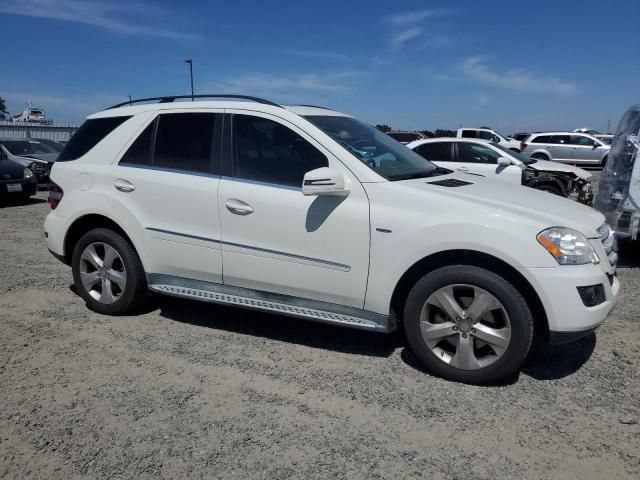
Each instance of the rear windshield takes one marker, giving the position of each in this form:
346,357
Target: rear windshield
88,136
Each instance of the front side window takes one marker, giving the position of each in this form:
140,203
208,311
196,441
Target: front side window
373,148
435,151
183,141
486,135
267,151
581,140
474,153
90,133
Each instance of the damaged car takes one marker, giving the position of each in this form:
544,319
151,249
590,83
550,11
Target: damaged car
492,160
30,153
619,193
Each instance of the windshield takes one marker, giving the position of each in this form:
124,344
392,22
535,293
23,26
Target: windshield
26,147
523,158
375,149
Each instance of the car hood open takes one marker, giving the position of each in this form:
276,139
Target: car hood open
547,166
548,209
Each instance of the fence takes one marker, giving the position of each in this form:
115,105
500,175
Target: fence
57,132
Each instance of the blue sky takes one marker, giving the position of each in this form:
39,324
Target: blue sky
411,64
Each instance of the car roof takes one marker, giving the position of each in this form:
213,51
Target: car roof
130,110
415,143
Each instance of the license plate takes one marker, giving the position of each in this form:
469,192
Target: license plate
14,187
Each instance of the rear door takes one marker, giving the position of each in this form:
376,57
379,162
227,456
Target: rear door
478,158
167,181
440,153
559,147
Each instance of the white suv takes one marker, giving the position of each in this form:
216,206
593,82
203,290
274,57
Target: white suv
308,212
490,135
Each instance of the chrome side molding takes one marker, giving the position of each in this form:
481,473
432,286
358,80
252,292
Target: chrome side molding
323,312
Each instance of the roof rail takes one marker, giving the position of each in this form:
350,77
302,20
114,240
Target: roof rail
311,106
169,99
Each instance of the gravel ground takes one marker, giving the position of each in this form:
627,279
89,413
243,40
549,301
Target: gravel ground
188,390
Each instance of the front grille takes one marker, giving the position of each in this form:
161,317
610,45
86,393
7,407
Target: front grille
609,243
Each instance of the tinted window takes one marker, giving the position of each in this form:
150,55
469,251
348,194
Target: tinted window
183,141
559,139
581,140
486,135
26,147
474,153
88,135
469,134
404,137
139,152
541,139
269,152
436,151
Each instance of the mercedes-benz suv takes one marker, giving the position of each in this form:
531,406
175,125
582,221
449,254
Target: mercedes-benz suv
308,212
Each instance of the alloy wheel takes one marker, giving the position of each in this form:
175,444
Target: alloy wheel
102,272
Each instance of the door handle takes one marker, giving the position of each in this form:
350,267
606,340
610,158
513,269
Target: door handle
238,207
463,169
124,186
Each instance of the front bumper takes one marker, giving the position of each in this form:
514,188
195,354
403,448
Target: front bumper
567,316
28,187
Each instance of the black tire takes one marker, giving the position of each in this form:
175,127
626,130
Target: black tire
549,189
135,291
540,156
515,305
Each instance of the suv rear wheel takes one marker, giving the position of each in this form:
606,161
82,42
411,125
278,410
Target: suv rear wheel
468,324
107,272
540,156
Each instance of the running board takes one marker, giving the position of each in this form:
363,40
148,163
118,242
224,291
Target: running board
269,302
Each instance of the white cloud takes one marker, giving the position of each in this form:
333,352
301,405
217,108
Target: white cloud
408,18
291,86
134,18
478,69
400,38
317,54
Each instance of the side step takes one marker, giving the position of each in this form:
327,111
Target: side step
269,302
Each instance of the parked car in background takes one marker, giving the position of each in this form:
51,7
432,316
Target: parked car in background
566,147
32,154
16,181
520,136
495,161
488,134
619,193
323,217
57,146
405,137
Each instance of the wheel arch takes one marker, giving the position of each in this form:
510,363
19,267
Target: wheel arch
88,222
477,259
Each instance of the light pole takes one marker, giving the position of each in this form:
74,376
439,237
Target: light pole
190,62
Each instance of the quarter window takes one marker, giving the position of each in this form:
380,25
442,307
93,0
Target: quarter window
267,151
474,153
139,153
435,151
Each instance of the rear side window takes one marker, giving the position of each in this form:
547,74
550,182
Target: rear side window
436,151
469,134
560,139
183,141
90,133
541,139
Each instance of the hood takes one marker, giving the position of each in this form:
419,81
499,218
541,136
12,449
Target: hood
547,166
10,170
47,157
547,209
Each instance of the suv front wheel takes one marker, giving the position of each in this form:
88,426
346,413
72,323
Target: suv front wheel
107,272
468,324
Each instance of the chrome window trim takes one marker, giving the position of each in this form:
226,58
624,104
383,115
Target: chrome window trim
170,170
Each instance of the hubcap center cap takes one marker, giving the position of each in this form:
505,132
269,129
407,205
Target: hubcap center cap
464,326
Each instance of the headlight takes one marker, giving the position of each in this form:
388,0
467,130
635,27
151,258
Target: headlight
567,246
27,173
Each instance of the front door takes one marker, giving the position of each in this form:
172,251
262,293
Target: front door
481,159
274,239
584,150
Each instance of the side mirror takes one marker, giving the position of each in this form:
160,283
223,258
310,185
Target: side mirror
324,181
596,144
504,161
496,139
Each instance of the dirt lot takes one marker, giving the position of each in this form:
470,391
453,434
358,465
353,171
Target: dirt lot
188,390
